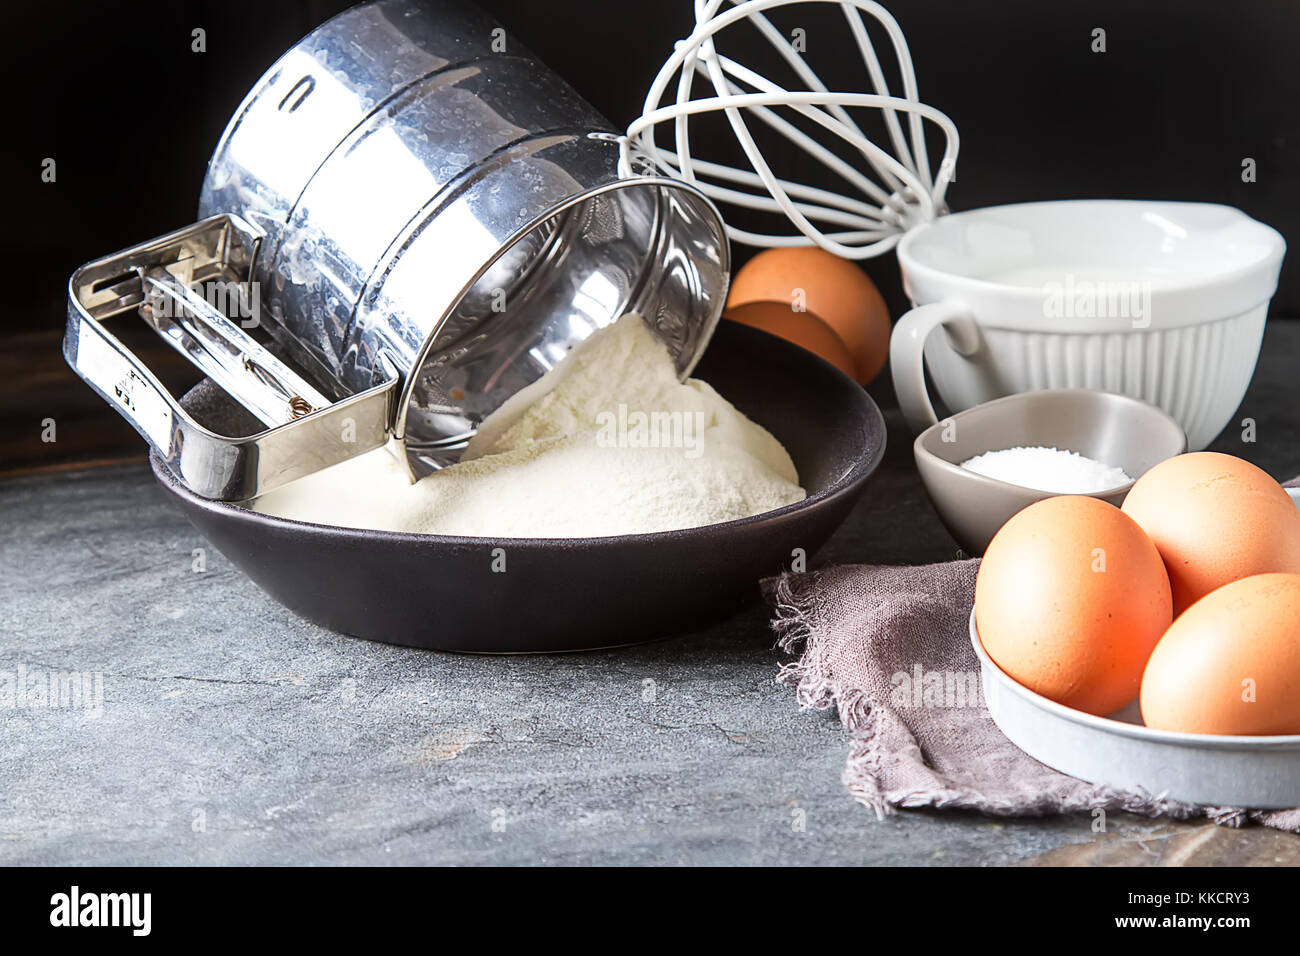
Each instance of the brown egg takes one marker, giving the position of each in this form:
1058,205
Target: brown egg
1069,601
1215,519
801,328
834,290
1230,664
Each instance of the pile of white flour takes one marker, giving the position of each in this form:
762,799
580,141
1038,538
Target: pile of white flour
608,442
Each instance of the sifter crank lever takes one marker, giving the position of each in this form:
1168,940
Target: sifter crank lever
305,432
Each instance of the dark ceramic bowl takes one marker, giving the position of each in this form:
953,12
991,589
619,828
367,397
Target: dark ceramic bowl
564,594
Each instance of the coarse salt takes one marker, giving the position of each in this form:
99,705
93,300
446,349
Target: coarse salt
1048,469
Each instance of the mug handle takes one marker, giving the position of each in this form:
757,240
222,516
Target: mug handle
907,354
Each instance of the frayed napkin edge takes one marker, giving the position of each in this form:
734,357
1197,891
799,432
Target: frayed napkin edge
791,596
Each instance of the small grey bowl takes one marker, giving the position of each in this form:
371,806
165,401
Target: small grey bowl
1114,429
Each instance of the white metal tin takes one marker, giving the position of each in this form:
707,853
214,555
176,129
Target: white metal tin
1223,771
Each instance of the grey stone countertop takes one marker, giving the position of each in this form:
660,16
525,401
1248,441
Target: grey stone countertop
233,732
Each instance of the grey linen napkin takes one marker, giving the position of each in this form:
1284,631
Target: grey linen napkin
889,648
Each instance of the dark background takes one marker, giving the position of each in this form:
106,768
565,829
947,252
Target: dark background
1185,91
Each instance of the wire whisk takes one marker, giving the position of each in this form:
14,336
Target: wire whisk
903,192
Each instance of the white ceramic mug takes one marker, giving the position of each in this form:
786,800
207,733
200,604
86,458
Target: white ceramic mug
1161,301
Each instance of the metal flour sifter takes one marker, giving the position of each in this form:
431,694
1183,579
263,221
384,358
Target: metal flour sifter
427,224
424,219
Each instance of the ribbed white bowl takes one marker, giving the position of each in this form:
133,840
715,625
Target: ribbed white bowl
1196,373
1001,283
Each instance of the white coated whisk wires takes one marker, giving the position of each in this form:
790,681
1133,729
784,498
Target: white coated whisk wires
904,191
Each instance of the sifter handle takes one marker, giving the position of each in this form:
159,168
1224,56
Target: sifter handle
305,430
